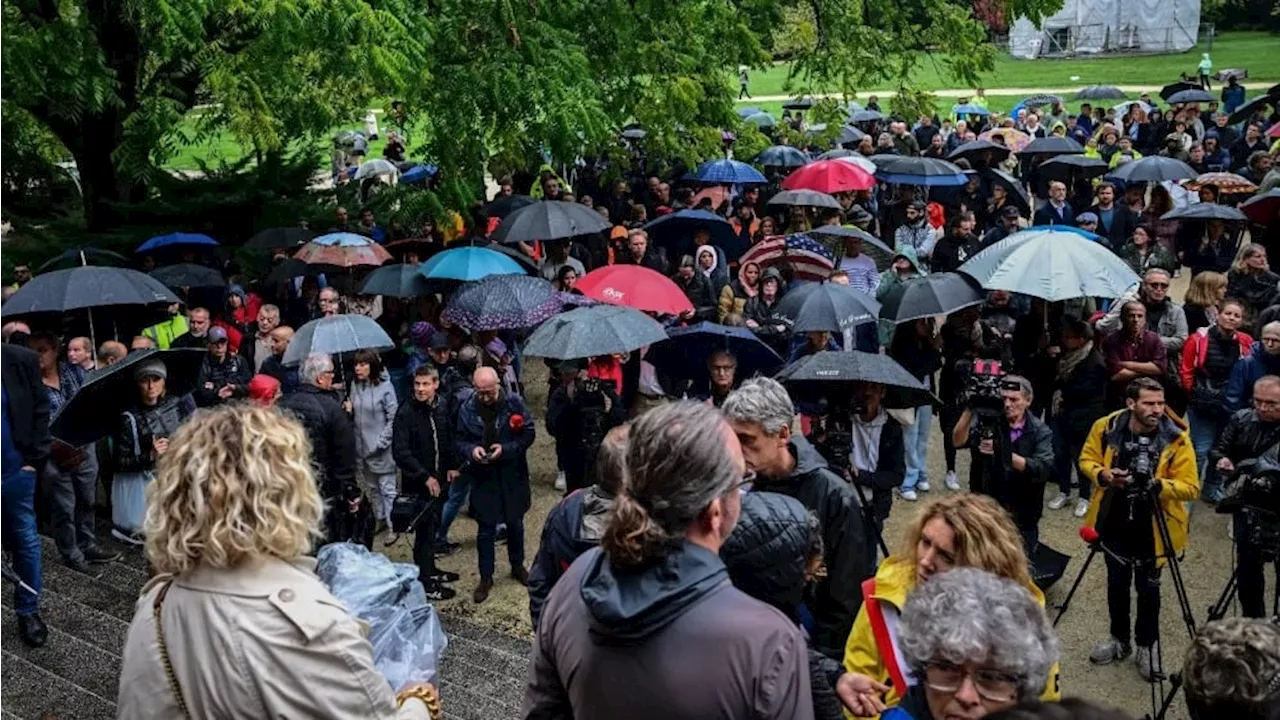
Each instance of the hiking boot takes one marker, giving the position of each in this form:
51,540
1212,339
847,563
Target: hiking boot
441,577
521,575
80,565
482,590
1109,651
1148,665
1058,501
437,592
97,554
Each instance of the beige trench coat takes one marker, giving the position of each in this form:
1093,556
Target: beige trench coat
262,641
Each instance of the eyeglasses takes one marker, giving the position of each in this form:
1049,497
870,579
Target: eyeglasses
993,686
722,369
1158,285
744,483
1270,341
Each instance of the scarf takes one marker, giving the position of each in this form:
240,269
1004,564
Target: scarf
1067,365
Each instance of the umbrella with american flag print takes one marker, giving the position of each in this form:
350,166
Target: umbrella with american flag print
808,258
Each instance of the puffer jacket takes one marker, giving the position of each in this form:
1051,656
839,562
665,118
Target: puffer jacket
332,436
766,556
895,579
1246,372
1196,351
733,299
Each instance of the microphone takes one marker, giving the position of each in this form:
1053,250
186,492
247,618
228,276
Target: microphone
1089,535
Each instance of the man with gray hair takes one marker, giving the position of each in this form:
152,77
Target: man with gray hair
1012,457
333,441
1165,317
653,608
760,413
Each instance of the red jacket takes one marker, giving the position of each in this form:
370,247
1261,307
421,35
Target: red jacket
1195,350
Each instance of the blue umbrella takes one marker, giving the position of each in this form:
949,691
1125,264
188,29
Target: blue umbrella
781,156
468,264
727,172
594,331
683,355
1054,264
676,230
177,239
503,302
419,173
970,109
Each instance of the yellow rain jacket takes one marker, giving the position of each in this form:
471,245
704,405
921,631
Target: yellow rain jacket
894,580
1176,472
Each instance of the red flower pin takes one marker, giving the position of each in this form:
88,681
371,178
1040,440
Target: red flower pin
517,423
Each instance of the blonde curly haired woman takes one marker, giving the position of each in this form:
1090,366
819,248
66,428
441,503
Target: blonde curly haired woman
960,530
237,624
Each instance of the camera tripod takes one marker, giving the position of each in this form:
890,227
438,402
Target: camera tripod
1160,701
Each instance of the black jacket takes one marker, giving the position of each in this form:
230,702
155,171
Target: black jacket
288,376
140,426
573,526
700,293
835,599
766,556
28,404
1021,493
1244,437
1257,290
234,370
569,420
654,258
422,442
1049,215
950,252
1123,222
332,436
1083,394
187,340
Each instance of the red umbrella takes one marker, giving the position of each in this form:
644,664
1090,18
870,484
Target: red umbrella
634,286
1274,131
829,176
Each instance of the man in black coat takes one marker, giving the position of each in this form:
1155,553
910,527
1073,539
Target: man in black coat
639,252
1012,458
24,452
422,444
579,414
1056,210
1116,222
333,448
761,413
224,375
576,523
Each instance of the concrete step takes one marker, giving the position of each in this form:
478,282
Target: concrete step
33,693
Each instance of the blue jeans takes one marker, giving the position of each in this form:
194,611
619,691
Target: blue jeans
1204,430
485,546
18,527
452,506
916,441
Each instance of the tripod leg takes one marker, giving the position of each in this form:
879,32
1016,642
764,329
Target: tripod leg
1219,609
1062,609
869,516
1175,569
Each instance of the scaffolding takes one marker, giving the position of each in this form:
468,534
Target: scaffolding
1090,27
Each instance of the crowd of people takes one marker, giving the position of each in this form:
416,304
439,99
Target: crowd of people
711,553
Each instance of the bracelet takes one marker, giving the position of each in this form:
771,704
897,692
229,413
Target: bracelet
426,692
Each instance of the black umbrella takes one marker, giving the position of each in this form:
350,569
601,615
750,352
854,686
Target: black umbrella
781,156
399,280
1205,211
1016,192
906,170
81,256
1246,111
1041,99
189,275
849,134
1190,95
1100,92
800,103
858,116
1154,168
549,220
976,148
817,377
1173,88
594,331
92,412
683,355
1065,167
291,268
504,206
279,238
804,198
930,295
1053,146
87,287
832,307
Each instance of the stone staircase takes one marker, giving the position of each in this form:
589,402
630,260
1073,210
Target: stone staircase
75,675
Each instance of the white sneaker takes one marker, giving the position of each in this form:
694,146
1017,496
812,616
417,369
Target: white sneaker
1148,664
560,483
951,481
923,486
1082,508
1058,501
909,495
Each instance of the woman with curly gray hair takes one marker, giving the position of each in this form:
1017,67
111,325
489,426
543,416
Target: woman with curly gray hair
1232,670
976,644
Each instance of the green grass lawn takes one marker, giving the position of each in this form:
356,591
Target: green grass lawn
1255,51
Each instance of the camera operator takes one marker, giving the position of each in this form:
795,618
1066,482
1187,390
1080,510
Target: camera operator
1012,456
579,414
1248,435
875,452
1138,457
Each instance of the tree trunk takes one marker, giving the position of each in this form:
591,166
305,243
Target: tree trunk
102,184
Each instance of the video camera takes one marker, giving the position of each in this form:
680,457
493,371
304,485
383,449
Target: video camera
984,383
1144,456
835,430
1254,495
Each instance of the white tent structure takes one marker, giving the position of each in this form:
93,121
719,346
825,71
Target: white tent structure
1085,27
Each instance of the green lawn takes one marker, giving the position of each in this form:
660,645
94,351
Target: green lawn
1255,51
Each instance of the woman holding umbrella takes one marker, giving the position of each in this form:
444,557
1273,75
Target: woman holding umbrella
142,437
